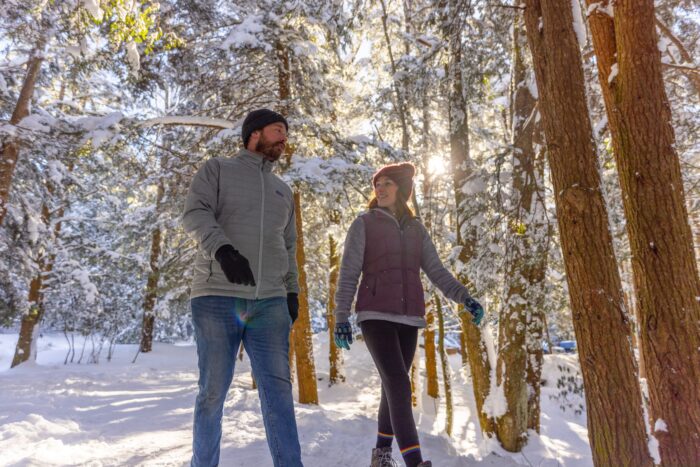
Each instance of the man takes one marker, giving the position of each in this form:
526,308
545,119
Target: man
245,285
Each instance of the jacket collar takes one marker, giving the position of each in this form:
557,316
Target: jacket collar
255,160
384,212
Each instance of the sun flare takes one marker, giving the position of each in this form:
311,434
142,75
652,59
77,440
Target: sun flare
437,165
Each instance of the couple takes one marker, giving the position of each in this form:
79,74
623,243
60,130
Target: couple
245,288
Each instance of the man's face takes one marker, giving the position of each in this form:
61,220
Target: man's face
272,141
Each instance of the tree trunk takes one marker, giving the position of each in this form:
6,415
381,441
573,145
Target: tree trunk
613,398
415,385
430,362
10,149
26,344
517,316
335,356
537,332
466,235
303,345
149,302
446,374
25,347
401,104
663,259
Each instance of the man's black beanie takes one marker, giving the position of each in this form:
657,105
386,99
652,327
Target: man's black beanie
257,120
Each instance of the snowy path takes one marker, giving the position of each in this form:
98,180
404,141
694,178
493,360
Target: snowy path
118,413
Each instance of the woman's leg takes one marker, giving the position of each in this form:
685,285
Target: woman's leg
392,346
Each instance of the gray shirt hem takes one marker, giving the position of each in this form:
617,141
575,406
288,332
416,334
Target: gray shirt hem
415,321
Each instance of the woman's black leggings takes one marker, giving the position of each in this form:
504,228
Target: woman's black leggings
392,346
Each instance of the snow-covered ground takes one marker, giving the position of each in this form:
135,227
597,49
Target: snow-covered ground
119,413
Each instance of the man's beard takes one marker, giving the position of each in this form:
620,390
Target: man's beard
271,151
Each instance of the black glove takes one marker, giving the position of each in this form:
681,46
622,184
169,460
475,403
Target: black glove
293,305
234,265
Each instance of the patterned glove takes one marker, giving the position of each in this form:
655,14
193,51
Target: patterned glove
343,335
475,309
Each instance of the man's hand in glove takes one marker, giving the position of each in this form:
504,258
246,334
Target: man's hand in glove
234,265
293,305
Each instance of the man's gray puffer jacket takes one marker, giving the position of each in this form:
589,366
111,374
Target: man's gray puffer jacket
238,201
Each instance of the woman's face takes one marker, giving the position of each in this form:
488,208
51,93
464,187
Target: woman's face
385,191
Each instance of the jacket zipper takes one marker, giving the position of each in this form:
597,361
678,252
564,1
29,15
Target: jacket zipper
262,220
403,272
403,265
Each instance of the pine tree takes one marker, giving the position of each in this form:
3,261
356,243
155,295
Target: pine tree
615,424
664,265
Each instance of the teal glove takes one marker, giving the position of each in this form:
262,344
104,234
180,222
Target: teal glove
343,335
475,309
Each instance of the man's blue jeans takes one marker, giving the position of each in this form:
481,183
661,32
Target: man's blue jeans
220,325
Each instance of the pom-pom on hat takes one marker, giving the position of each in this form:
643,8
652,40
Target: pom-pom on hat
259,119
401,174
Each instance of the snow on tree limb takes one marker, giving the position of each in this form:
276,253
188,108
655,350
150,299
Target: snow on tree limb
192,121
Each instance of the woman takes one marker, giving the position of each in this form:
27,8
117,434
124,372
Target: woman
389,246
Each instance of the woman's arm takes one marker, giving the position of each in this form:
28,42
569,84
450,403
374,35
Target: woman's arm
437,273
350,269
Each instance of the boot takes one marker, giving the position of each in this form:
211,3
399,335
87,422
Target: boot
381,457
425,464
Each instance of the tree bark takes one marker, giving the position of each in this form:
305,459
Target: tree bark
414,373
430,362
613,399
149,302
25,348
446,374
10,149
462,169
519,314
303,345
663,258
335,356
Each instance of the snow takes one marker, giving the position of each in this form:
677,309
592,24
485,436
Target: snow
88,287
653,445
579,27
660,425
663,44
532,86
35,122
246,34
614,70
600,126
652,442
474,186
501,101
186,120
598,7
101,122
119,413
93,7
132,56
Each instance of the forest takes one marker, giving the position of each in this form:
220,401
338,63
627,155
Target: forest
558,173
